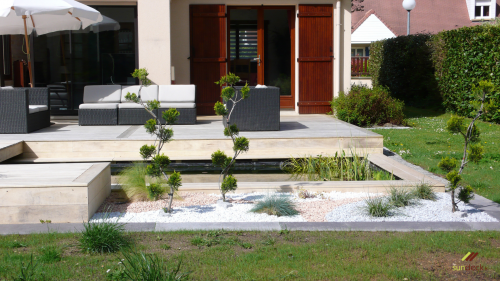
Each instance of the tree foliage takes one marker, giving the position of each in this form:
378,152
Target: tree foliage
227,182
157,168
473,150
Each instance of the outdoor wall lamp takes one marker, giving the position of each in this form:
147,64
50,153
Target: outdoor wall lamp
409,5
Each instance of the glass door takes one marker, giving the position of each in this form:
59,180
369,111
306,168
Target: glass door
260,49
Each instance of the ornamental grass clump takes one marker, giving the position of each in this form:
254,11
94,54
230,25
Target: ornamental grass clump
401,196
276,205
146,267
424,191
103,237
133,182
378,207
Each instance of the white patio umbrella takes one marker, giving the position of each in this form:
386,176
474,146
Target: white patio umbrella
44,16
107,24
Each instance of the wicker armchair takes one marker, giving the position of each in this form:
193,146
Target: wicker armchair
24,110
259,112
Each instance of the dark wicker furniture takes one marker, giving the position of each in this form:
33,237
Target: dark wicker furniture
180,97
259,112
107,105
100,105
187,116
15,116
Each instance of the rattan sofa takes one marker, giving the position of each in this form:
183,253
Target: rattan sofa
100,105
260,111
130,113
107,105
181,97
24,110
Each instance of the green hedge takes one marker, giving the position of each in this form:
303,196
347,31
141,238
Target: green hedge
462,58
428,70
404,65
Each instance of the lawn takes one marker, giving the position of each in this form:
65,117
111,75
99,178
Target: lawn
285,255
428,141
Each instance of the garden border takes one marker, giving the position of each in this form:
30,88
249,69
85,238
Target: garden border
481,203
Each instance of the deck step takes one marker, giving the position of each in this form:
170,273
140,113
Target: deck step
9,149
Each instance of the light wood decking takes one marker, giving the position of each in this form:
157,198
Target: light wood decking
299,136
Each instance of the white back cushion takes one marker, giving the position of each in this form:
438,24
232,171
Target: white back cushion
102,94
147,93
176,93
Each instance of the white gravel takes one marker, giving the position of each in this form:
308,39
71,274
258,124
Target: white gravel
332,206
423,211
239,212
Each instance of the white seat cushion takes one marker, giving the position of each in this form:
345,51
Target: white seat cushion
33,109
147,93
176,93
178,105
37,108
102,94
130,105
7,88
98,106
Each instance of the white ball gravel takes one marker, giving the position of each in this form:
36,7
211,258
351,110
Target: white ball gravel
326,206
205,213
422,211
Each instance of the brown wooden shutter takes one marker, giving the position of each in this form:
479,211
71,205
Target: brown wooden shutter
208,53
315,58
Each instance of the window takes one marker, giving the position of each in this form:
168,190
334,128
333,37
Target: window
482,10
101,54
357,52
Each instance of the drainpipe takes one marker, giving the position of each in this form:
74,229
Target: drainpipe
336,44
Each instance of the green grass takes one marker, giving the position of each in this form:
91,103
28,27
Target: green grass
103,237
428,142
294,255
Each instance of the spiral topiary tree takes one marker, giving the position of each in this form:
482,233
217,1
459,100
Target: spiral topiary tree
228,182
473,150
152,153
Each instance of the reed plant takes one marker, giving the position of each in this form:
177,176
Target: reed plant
329,168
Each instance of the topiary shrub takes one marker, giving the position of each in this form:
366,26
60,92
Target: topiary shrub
364,106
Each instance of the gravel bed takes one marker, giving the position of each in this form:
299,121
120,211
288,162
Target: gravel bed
200,207
423,211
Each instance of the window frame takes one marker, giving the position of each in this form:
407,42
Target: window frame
482,4
355,51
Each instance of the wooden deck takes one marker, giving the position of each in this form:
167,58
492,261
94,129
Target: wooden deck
60,193
300,135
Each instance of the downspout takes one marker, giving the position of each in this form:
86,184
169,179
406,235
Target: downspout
336,45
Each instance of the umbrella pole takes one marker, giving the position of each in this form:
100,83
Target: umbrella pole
28,49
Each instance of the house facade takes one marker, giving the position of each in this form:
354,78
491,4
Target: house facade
301,46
